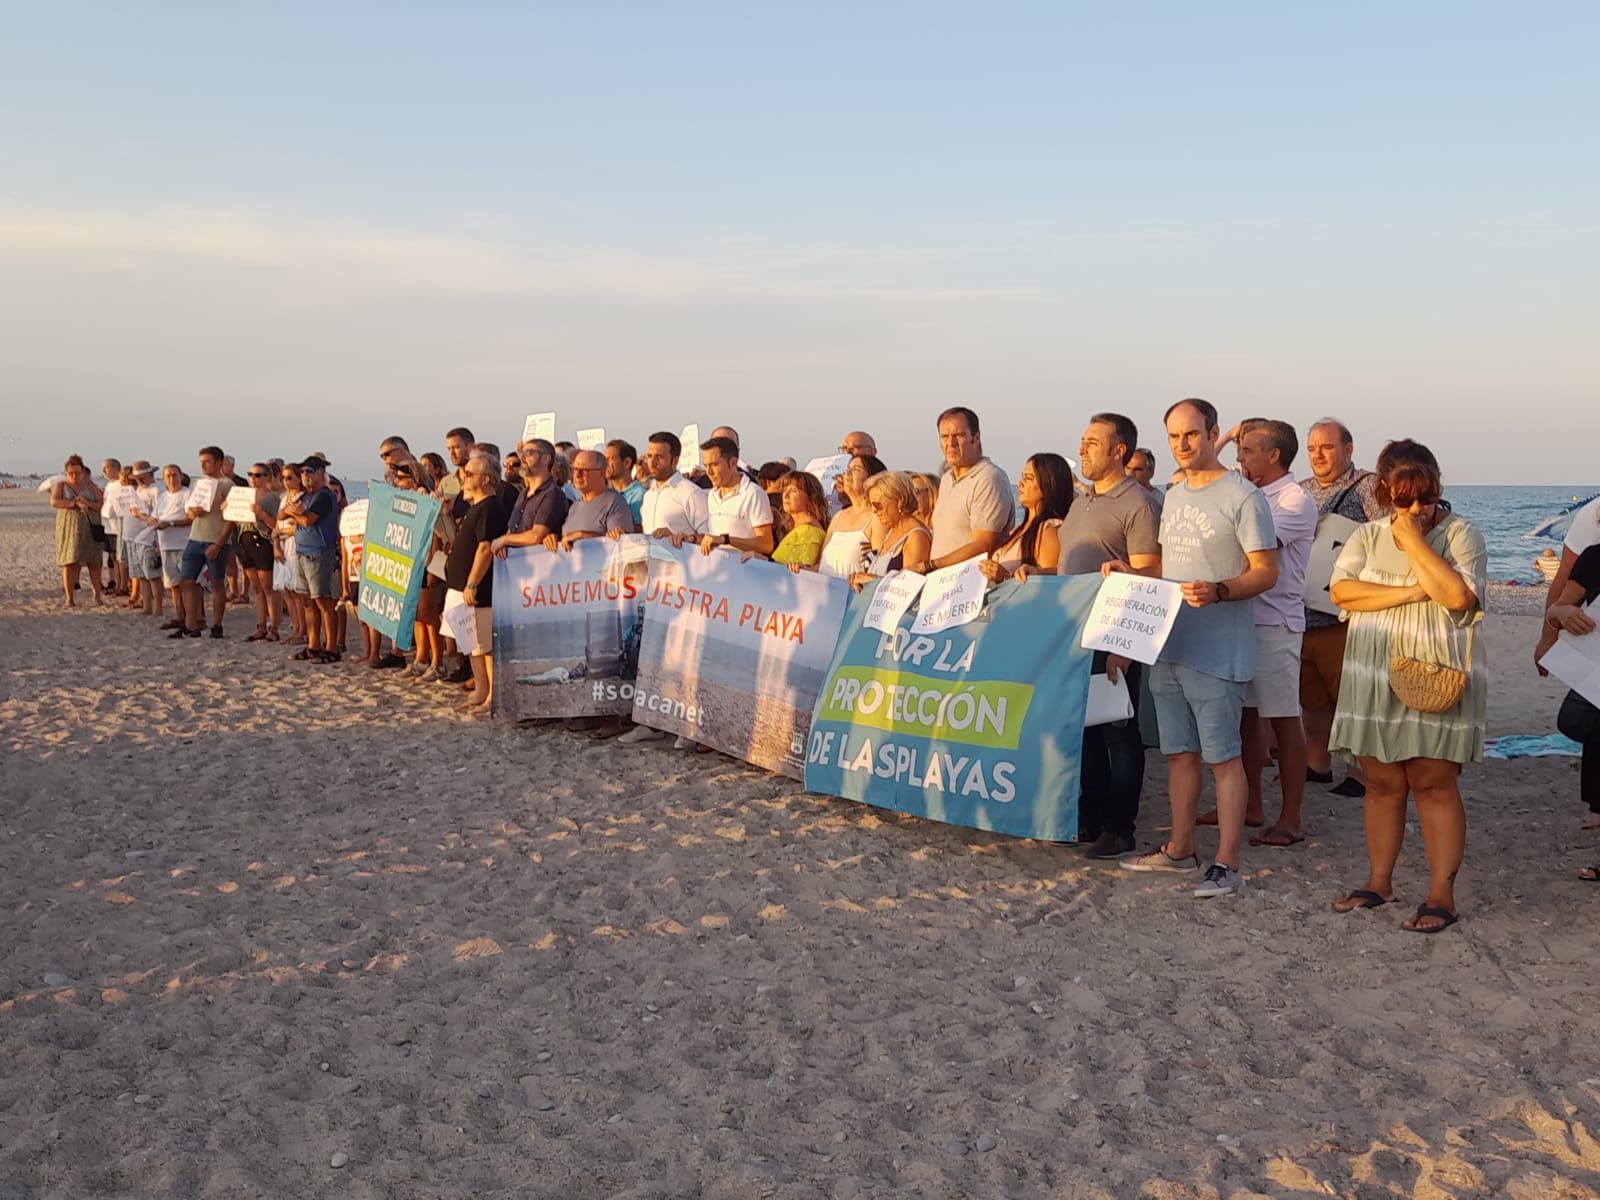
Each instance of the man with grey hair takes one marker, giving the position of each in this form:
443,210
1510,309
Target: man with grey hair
1336,485
599,511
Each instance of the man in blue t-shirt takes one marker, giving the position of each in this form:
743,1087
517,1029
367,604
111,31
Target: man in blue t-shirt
316,544
1219,542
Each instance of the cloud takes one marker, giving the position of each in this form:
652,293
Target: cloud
736,268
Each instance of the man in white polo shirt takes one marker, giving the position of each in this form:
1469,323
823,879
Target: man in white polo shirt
673,508
740,515
976,507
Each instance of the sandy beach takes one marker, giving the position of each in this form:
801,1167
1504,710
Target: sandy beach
258,917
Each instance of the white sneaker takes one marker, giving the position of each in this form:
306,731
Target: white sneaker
1159,860
1219,881
639,735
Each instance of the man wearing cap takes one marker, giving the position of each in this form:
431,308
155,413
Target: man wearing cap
315,513
144,559
208,549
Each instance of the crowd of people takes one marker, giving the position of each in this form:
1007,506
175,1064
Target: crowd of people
1393,683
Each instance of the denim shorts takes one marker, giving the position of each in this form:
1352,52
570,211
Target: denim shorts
172,567
1196,712
195,560
318,574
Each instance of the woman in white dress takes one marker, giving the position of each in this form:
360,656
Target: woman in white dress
851,534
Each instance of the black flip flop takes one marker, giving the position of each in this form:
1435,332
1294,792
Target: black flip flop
1368,900
1427,910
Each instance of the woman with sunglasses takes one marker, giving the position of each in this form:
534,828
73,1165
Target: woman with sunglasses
851,533
1412,586
891,497
284,552
256,557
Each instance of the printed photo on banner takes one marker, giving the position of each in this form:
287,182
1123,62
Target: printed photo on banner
567,628
971,724
1133,616
734,653
397,534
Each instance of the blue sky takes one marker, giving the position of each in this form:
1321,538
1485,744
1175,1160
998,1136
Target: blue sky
304,226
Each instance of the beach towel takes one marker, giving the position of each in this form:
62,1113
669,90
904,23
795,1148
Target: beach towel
1531,745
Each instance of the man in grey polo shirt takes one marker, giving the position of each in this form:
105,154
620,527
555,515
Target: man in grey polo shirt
976,507
1113,524
598,509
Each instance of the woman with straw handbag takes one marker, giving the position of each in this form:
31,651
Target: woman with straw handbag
1413,698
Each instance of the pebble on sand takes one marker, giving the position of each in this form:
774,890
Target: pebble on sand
338,1160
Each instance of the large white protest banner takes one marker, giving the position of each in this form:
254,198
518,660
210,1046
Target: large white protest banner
1132,616
734,652
566,628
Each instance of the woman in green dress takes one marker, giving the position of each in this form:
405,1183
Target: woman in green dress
1411,585
74,498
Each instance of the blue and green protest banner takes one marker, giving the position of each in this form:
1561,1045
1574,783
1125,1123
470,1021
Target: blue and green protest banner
394,559
979,724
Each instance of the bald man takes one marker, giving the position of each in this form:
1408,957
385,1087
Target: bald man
857,442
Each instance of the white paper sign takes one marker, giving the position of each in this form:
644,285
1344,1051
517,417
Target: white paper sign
892,598
951,596
1333,531
1132,616
239,506
353,520
458,622
203,495
828,468
436,564
539,425
1575,659
591,439
1108,701
690,437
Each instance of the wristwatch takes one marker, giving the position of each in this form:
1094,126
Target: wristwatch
1222,590
726,540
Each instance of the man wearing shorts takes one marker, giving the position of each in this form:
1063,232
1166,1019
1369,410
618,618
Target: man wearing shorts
315,513
1217,540
1266,453
144,558
208,549
1336,485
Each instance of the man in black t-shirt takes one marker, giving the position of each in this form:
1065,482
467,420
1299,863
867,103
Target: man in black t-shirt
469,569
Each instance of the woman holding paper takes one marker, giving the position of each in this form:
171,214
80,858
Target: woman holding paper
74,498
256,554
1411,587
891,496
1045,489
1567,615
